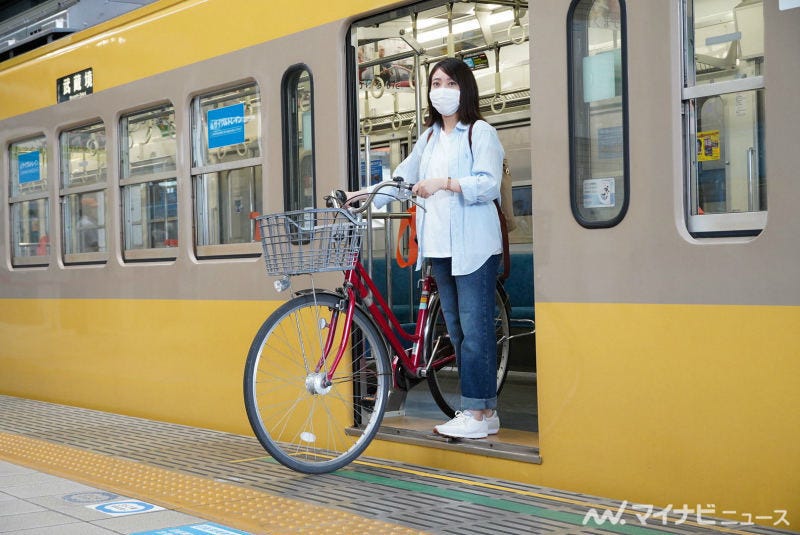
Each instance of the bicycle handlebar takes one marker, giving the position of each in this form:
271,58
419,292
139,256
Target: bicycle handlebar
338,198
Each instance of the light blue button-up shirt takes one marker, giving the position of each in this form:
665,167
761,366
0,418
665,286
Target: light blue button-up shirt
474,224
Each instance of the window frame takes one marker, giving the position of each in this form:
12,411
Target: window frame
574,194
18,195
289,118
718,225
66,190
144,254
200,168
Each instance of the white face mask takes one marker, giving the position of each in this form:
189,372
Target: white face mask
445,100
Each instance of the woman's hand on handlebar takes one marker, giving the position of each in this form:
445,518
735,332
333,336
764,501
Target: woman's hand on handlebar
429,186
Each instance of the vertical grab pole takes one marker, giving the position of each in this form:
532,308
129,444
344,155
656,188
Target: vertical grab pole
752,186
451,49
368,178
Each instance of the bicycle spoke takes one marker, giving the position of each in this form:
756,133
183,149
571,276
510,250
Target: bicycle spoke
299,416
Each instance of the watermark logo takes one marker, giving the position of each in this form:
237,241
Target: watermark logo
648,514
612,517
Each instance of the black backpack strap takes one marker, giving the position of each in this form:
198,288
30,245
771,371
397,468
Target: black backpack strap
504,233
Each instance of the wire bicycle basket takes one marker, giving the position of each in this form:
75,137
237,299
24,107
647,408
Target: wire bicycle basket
310,241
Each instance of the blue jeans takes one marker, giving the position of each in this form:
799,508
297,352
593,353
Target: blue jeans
468,306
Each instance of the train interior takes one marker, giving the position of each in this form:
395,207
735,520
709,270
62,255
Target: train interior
393,51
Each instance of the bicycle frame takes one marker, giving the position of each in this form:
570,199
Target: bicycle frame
359,286
300,347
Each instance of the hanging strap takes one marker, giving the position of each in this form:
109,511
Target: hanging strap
408,224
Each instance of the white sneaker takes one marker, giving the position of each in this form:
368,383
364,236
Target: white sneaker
464,426
494,423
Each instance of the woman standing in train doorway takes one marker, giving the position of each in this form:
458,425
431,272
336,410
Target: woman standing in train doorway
456,168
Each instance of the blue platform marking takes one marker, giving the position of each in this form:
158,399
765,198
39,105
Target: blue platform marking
207,528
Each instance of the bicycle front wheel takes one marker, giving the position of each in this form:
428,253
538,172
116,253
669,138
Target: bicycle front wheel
305,422
443,377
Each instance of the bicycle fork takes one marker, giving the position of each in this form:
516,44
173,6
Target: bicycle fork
321,380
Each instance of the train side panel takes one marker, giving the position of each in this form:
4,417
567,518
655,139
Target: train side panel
192,31
667,364
164,340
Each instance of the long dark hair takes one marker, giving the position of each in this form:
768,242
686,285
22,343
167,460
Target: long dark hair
468,109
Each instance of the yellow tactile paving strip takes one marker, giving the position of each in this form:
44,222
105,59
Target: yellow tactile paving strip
237,507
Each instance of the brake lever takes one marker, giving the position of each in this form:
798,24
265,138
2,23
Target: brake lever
335,199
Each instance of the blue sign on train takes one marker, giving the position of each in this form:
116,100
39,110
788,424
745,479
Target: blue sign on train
207,528
28,166
226,126
375,171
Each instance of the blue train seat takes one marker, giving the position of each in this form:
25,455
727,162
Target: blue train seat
519,287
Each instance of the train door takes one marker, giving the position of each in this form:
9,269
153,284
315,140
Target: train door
392,55
725,120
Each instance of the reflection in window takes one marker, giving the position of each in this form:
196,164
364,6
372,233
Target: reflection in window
226,168
83,181
149,185
598,112
151,215
29,220
298,141
723,100
30,207
227,204
522,198
84,222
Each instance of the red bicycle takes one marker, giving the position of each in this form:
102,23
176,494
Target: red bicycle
318,373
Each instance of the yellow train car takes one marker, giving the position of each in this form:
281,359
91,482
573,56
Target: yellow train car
653,147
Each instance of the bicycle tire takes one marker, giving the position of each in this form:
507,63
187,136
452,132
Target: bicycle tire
443,379
304,424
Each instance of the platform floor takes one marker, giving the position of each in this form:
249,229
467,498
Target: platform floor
66,470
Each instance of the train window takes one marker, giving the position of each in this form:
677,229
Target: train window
226,170
83,198
30,207
298,139
598,112
149,184
723,100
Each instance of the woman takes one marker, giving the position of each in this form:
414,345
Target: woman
456,168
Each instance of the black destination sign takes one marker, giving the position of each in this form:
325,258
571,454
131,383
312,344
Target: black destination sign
76,85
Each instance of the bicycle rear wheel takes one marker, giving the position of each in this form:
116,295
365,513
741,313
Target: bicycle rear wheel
303,422
443,378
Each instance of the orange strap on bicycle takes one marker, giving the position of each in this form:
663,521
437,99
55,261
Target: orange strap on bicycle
409,224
